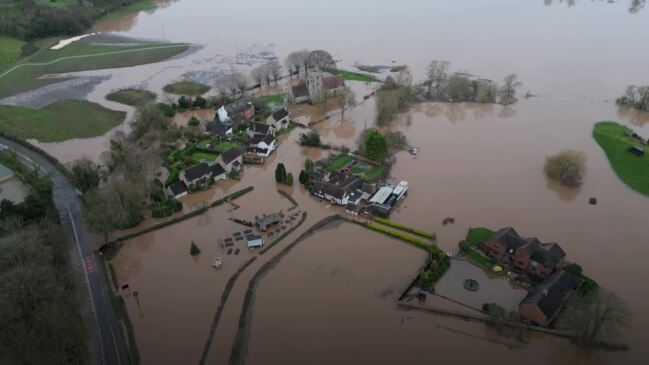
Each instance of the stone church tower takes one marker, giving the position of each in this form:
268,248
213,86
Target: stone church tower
316,94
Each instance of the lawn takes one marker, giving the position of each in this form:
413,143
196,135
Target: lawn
86,57
59,121
9,50
373,173
131,8
352,76
189,88
133,97
272,100
479,258
631,169
339,163
199,156
478,235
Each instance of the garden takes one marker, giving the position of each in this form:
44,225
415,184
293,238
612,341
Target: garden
365,171
477,236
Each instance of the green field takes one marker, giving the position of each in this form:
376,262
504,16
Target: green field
478,235
80,56
631,169
272,101
9,50
133,97
352,76
189,88
339,163
59,121
132,8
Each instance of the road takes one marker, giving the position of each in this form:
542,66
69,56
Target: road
112,349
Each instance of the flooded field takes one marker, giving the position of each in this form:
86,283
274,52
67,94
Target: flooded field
331,299
13,189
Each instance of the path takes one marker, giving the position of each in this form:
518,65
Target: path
86,56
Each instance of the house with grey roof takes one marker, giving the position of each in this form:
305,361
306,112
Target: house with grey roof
544,301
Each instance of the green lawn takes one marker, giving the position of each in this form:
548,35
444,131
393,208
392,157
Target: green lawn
133,97
199,156
373,173
132,8
339,163
631,169
59,121
479,258
478,235
272,100
189,88
224,146
352,76
27,77
9,50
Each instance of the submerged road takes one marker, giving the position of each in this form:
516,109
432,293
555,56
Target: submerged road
111,345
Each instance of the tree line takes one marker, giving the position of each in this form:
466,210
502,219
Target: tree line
636,97
29,19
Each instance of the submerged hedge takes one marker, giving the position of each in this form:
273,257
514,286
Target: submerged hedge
418,232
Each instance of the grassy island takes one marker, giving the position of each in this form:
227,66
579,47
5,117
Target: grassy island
132,96
59,121
189,88
632,169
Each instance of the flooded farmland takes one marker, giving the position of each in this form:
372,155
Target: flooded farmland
332,298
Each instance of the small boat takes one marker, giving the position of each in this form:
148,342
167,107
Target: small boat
217,262
413,150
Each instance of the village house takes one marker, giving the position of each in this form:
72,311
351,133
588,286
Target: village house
243,109
231,160
544,301
196,175
218,172
524,255
279,120
262,146
176,190
222,131
254,241
256,128
300,93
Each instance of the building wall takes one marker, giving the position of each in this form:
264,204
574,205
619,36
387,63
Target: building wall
533,313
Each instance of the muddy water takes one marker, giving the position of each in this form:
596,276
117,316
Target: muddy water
481,164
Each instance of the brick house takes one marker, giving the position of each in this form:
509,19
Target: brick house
524,254
544,301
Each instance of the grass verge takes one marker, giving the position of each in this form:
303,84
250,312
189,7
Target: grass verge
132,96
10,49
189,88
631,169
59,121
418,232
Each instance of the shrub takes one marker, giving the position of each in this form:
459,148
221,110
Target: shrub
166,208
312,138
304,177
194,250
289,179
194,122
280,173
566,167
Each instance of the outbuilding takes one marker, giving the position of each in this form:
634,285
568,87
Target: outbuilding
254,241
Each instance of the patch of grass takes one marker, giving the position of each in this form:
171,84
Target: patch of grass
224,146
132,96
85,57
352,76
631,169
10,49
339,163
189,88
479,258
131,8
199,156
405,228
373,173
478,235
59,121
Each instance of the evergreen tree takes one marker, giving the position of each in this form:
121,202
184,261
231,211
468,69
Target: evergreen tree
280,173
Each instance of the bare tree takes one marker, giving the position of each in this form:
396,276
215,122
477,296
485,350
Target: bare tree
437,76
508,90
275,70
320,60
485,91
257,74
302,58
293,63
345,98
597,318
240,81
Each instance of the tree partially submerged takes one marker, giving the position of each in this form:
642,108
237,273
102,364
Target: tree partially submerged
85,175
345,98
394,96
566,167
597,319
636,97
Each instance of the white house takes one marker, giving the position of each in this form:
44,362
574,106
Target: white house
223,114
231,159
218,172
195,174
279,119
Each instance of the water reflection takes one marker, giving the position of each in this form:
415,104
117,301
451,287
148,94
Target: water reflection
635,117
457,112
564,193
634,5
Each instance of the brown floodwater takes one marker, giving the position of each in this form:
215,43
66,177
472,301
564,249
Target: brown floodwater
481,164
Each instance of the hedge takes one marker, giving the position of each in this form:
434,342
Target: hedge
418,232
181,218
289,197
417,243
